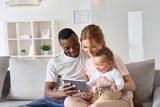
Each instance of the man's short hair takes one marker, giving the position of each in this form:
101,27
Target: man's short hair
66,33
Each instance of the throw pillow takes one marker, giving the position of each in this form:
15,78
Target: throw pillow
27,79
142,73
4,63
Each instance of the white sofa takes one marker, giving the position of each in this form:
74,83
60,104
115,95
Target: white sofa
25,81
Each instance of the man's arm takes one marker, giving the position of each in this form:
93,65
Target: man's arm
50,92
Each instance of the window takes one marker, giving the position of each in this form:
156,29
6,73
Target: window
135,36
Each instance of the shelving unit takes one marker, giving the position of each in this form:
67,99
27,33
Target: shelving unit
31,35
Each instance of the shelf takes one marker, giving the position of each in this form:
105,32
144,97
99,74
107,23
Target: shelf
30,35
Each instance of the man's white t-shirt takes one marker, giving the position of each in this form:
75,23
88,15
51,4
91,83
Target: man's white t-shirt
64,67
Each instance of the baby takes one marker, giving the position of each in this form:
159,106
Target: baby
103,61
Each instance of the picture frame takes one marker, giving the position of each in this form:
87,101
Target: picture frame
81,16
45,33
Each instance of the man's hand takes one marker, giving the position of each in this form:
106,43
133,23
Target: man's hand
69,89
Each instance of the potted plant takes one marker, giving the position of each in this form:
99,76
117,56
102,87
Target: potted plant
23,52
45,47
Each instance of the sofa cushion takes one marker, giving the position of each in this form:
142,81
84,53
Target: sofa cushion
142,73
27,79
4,63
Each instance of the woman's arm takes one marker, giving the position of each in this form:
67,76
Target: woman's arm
129,83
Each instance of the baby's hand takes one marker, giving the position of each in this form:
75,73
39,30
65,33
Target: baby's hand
114,87
102,81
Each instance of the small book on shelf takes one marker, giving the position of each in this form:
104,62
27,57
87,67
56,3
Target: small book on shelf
45,33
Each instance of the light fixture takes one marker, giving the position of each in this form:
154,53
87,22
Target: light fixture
22,2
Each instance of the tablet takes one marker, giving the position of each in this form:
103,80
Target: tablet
80,85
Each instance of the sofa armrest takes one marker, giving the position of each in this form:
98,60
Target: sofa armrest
156,97
157,79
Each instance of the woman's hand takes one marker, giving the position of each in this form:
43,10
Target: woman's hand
87,96
69,89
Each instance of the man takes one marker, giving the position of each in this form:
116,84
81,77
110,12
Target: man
68,64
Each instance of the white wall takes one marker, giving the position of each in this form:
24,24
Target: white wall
60,10
111,15
114,22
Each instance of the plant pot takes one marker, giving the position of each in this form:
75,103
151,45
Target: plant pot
23,53
45,53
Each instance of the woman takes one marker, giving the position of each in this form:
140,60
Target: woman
92,39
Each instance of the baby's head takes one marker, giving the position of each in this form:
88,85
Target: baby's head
103,60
